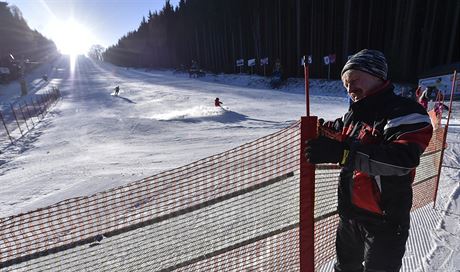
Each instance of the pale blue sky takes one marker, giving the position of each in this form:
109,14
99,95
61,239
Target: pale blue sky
105,20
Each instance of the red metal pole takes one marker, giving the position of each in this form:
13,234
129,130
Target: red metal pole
308,130
454,80
307,83
444,138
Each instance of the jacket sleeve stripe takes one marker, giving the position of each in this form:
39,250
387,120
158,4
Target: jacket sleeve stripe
412,118
373,167
420,136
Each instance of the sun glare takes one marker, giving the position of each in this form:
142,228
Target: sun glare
71,38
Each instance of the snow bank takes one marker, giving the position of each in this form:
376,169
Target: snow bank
192,113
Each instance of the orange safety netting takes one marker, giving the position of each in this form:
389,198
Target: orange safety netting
234,211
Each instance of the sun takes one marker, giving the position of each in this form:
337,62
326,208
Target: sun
70,37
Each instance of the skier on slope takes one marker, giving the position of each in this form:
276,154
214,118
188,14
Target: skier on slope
117,90
378,144
217,102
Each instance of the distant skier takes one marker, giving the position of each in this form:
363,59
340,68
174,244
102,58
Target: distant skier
217,102
117,90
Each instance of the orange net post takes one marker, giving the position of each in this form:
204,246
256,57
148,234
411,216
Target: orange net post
308,127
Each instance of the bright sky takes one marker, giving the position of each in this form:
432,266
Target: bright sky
75,25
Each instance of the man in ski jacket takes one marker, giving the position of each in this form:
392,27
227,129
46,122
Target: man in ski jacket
378,144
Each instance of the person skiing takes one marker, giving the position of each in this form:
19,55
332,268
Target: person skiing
217,102
378,144
117,90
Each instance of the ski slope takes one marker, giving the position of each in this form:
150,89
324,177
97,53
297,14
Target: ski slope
92,140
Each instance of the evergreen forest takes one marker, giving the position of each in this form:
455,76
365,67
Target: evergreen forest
415,35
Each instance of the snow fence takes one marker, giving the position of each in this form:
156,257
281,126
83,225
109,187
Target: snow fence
17,119
234,211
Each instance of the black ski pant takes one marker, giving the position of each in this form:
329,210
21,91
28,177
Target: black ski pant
369,247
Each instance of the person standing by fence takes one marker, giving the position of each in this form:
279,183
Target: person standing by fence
378,145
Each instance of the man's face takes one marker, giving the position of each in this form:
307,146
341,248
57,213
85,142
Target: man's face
360,84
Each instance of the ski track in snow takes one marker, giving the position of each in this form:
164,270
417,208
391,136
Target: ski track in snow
445,252
92,140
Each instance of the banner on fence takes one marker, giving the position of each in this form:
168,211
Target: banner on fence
442,83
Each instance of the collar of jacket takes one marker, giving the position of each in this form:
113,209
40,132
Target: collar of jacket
375,101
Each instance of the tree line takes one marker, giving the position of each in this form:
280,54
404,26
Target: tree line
415,35
18,42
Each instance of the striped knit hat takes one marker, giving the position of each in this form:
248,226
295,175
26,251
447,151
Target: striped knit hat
370,61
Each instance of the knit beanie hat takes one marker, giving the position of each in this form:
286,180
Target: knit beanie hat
370,61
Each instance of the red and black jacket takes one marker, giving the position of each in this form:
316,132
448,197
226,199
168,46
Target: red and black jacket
386,134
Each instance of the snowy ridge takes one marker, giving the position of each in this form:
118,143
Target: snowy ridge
195,112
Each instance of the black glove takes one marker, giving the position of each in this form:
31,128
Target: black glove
322,150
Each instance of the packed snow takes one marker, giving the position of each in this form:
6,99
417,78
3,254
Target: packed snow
93,140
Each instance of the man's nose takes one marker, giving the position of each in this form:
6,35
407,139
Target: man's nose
351,89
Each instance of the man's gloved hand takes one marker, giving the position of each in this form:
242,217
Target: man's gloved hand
323,150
